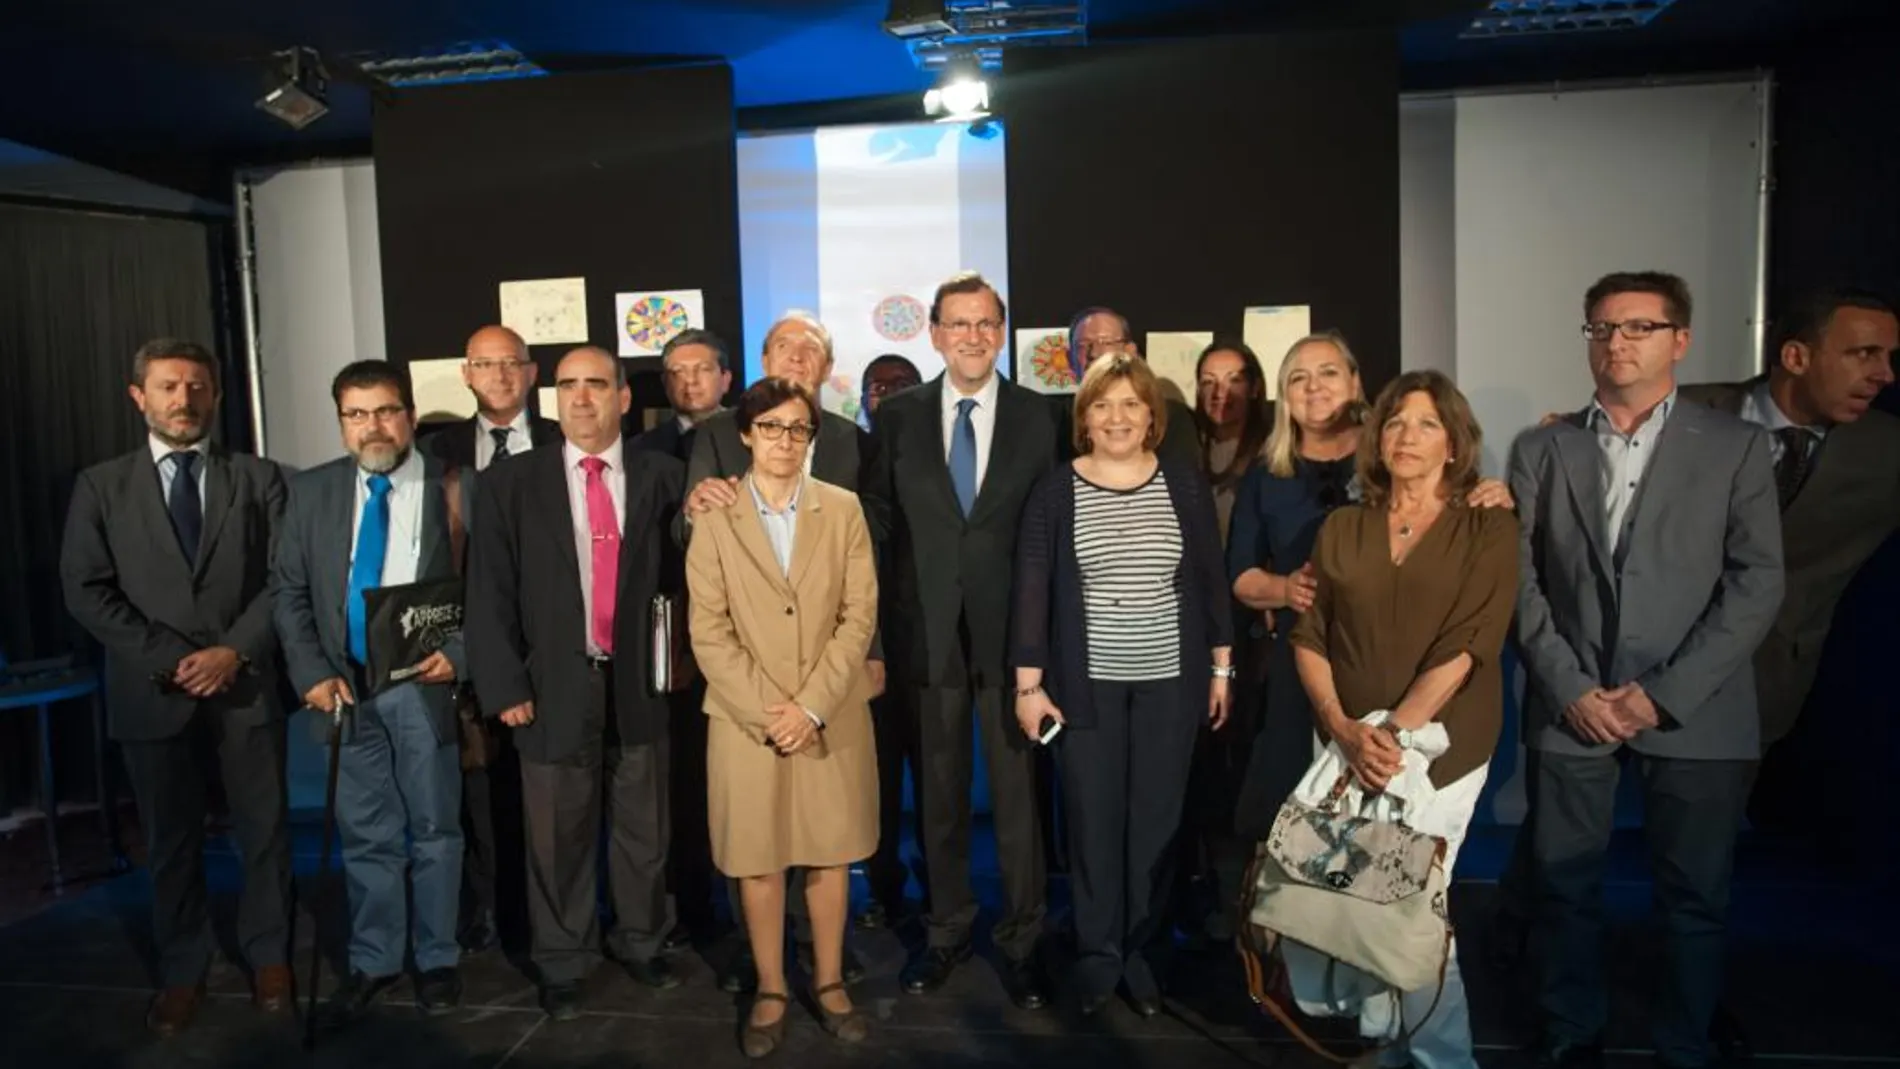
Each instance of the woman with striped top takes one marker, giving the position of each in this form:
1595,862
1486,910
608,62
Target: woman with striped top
1122,636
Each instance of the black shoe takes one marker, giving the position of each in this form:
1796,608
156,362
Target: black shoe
1092,1005
561,1001
873,918
653,972
1731,1041
853,969
1142,998
740,975
439,991
480,936
676,940
1028,989
1569,1056
353,998
927,971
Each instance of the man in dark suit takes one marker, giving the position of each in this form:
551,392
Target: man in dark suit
380,517
1651,572
798,347
166,562
500,374
698,373
570,547
956,458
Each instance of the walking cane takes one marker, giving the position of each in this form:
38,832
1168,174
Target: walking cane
323,870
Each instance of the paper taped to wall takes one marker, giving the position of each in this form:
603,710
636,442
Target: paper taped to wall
440,393
546,311
1172,354
646,321
1270,331
1042,359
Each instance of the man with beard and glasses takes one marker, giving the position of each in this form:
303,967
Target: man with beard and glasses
380,517
166,561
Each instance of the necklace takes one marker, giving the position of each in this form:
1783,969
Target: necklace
1405,530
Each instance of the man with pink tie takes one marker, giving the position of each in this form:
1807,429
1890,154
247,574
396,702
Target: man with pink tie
569,548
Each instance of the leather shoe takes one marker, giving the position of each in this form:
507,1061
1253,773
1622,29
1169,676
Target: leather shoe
927,971
439,991
1144,1005
653,972
740,974
853,969
353,998
1092,1005
272,988
1731,1041
479,937
677,939
561,1001
173,1009
1027,987
873,918
1564,1055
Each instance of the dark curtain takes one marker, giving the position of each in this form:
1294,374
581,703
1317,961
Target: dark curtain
79,292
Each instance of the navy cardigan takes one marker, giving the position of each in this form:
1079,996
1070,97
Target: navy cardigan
1049,629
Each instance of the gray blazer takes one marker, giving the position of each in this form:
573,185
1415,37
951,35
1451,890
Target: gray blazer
129,585
1849,505
1697,588
311,575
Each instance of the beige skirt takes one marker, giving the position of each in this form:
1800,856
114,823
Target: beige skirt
767,813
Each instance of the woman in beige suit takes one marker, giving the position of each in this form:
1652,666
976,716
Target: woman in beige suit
784,601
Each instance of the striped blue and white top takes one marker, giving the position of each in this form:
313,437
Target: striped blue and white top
1128,548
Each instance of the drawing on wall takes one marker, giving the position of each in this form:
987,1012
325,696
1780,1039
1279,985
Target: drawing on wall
647,321
1172,355
1042,360
1270,331
439,390
900,317
546,311
544,399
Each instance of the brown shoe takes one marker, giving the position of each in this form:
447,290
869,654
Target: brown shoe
271,989
172,1010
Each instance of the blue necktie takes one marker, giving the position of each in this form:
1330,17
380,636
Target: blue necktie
184,504
366,571
963,455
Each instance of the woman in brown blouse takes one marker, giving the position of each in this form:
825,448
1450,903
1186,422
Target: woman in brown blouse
1414,595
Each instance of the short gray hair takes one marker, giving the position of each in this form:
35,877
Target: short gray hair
799,315
696,336
171,349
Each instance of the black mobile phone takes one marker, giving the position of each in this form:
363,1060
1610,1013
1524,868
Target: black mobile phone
166,683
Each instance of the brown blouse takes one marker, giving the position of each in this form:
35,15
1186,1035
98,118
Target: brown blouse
1382,625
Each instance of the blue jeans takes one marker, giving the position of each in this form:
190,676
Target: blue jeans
398,807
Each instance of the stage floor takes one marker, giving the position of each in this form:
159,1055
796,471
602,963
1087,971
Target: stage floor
1814,973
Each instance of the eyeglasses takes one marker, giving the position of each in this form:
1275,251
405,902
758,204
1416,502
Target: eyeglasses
496,367
1633,329
357,417
774,430
965,326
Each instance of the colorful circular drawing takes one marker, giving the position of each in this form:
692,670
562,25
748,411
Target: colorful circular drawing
1049,362
899,318
653,321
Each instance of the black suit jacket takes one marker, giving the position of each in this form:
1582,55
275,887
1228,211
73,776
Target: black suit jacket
946,568
526,623
454,443
667,436
127,582
1848,506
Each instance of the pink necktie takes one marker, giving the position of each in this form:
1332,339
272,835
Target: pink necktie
606,531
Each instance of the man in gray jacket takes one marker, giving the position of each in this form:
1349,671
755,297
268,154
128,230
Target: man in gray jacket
1652,570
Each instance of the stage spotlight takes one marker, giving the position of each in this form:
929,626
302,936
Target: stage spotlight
294,91
961,99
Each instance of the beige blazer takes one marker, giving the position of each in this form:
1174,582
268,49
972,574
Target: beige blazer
762,637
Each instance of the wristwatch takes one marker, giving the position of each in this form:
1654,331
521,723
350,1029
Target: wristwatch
1403,736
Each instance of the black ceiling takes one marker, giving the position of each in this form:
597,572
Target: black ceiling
164,90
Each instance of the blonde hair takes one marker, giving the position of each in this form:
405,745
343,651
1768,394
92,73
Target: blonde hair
1283,444
1103,374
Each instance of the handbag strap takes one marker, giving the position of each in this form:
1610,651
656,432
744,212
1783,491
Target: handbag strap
452,500
1255,963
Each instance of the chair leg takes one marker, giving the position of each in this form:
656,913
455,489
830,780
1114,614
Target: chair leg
102,772
49,797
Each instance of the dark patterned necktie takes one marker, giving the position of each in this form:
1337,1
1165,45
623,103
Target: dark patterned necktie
1796,459
185,504
500,435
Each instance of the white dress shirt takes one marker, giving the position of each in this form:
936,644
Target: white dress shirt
615,476
403,556
519,439
1759,408
1625,460
168,468
982,419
